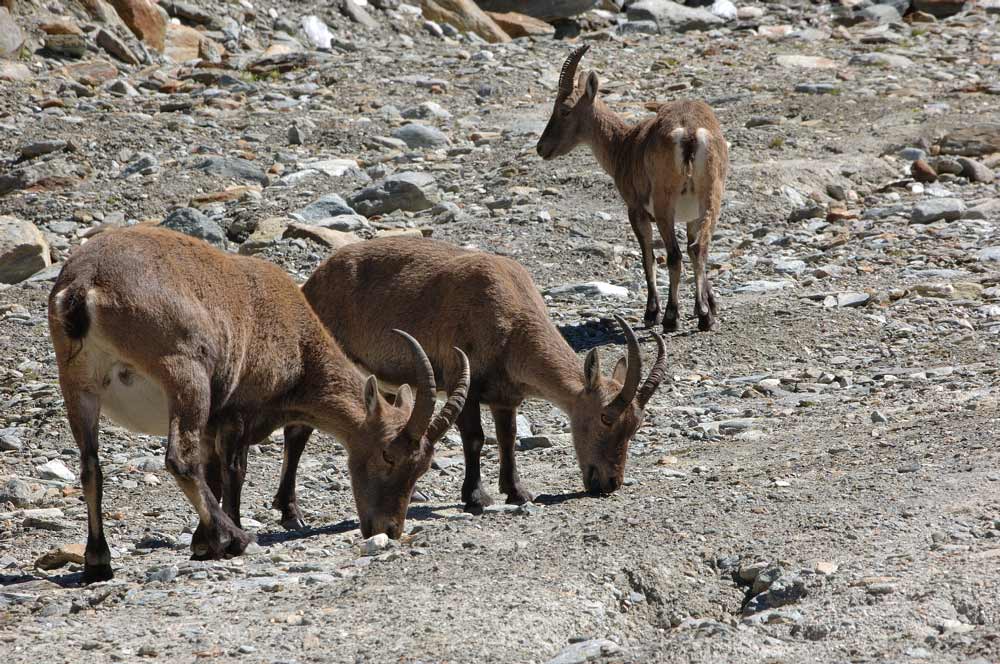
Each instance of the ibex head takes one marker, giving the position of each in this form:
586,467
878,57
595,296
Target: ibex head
573,109
403,434
608,412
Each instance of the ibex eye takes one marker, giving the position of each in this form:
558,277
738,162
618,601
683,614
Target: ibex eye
388,458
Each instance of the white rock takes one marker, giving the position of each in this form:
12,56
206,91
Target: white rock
724,9
591,288
375,544
316,31
55,470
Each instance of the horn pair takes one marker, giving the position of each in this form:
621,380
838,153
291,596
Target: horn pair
422,419
631,389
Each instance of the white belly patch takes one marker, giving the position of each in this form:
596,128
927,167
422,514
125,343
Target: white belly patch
133,401
685,209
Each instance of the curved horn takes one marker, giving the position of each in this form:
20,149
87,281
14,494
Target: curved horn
423,406
449,413
568,73
634,372
656,375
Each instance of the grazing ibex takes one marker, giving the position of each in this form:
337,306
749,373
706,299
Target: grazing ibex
169,336
489,306
669,168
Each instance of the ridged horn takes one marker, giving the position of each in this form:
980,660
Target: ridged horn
632,375
568,73
423,404
456,400
656,375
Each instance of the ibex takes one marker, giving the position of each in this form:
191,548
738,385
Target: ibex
169,336
489,306
669,168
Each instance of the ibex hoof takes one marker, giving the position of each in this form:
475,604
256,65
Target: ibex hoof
96,573
650,317
706,323
669,324
519,496
293,523
477,501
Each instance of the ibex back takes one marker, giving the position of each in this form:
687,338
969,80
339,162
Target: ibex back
489,306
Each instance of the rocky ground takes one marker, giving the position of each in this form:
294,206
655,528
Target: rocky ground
818,482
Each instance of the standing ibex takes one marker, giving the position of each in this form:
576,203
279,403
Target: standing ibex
169,336
489,306
669,168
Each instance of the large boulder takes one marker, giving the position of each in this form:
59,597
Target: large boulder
973,140
543,9
410,191
465,16
145,19
23,250
673,17
11,37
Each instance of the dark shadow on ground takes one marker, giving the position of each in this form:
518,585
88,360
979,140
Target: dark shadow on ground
592,334
557,499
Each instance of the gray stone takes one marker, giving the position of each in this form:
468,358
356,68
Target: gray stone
534,443
887,60
937,209
818,88
70,46
165,574
789,266
420,136
878,417
880,14
410,191
39,148
325,207
972,141
989,255
586,651
192,222
357,14
673,17
912,154
590,289
298,134
10,440
941,8
23,250
762,286
233,168
143,162
974,170
543,9
426,110
11,37
20,493
116,47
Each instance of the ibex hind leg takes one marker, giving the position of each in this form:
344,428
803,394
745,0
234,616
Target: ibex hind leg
643,230
84,410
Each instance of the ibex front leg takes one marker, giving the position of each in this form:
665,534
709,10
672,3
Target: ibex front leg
643,228
510,481
296,437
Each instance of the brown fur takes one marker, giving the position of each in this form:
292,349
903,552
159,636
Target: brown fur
642,160
237,352
489,306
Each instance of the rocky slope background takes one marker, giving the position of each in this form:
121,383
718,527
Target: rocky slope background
818,481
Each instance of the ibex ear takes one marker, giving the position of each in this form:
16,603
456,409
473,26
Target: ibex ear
404,398
592,86
592,369
620,369
371,396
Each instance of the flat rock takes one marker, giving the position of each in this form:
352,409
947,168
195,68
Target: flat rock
14,71
466,16
326,236
116,47
937,209
543,9
975,171
805,61
762,286
420,136
972,141
410,191
233,168
522,25
55,470
887,60
989,255
586,651
61,556
330,205
673,17
23,250
590,288
144,19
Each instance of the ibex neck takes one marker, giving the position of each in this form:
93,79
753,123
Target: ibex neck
551,369
607,133
330,397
